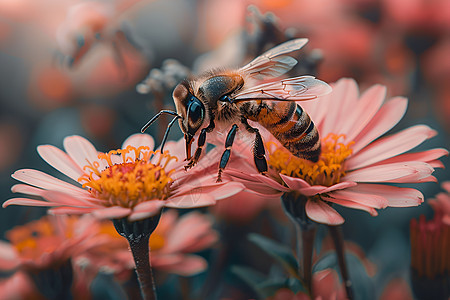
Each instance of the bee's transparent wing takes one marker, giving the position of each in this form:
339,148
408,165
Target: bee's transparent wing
273,63
291,89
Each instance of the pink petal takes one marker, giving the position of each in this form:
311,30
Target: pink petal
346,91
386,118
424,156
391,172
295,183
188,266
45,181
227,190
176,148
340,186
205,184
146,209
366,199
82,151
351,204
138,139
416,178
27,202
396,196
204,242
27,189
315,108
253,183
59,160
446,186
190,201
393,145
9,259
68,200
189,231
446,219
18,286
168,220
271,183
65,210
367,106
413,178
304,188
161,260
114,212
436,164
321,212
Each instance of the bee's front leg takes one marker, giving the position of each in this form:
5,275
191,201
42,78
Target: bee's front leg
201,143
226,154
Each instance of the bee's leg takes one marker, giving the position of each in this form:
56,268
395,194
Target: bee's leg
201,143
226,154
258,148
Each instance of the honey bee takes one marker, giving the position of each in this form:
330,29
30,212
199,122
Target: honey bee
233,97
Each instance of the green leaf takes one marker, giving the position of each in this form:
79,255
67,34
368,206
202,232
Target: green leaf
280,252
269,287
263,286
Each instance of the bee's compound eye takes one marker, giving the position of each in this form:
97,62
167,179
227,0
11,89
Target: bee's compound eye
195,111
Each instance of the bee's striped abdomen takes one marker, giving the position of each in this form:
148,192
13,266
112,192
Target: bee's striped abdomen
289,124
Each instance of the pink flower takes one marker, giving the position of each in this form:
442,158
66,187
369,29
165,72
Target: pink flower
132,182
354,162
47,242
172,244
441,204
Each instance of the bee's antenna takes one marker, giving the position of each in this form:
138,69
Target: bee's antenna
169,112
166,134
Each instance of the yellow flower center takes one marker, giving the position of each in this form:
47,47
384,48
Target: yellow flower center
34,239
327,171
132,181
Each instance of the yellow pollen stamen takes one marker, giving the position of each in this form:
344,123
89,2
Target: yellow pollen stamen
132,181
327,171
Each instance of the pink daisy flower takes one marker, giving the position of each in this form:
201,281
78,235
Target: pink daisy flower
47,242
172,246
355,162
133,182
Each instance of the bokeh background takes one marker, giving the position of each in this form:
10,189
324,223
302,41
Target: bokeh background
101,69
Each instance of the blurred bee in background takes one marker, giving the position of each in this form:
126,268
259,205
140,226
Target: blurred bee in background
88,24
233,97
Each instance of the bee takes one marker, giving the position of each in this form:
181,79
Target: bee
231,98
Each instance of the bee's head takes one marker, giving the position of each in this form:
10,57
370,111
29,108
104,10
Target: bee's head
192,112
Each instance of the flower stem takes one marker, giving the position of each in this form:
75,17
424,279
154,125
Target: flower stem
338,240
307,238
138,235
294,207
